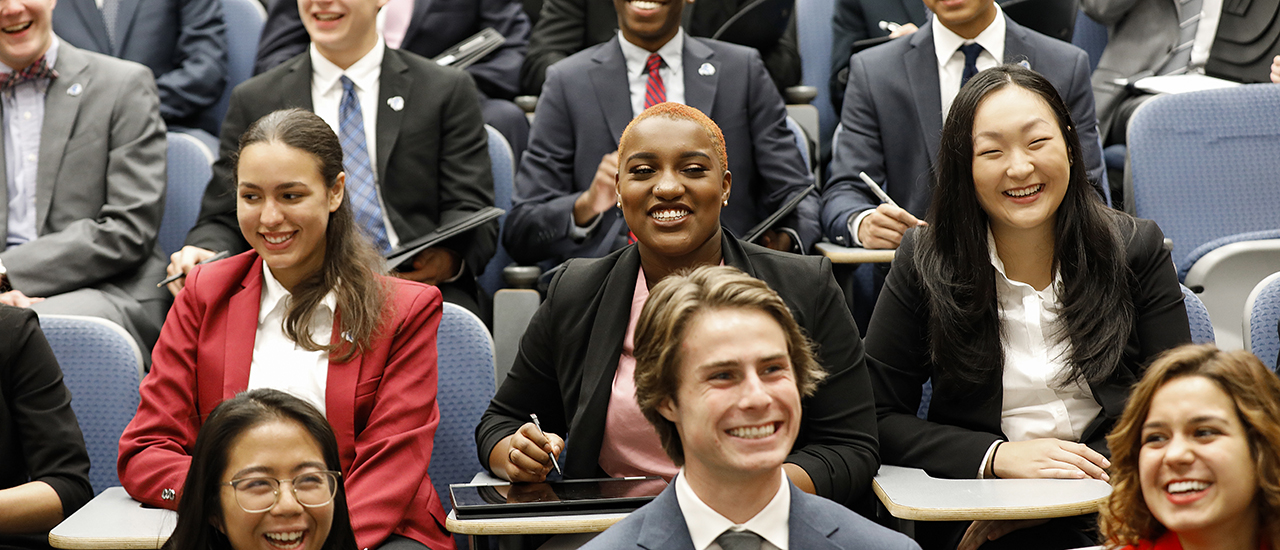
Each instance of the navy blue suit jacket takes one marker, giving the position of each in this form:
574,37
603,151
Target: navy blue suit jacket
815,524
585,106
855,20
437,25
892,119
183,42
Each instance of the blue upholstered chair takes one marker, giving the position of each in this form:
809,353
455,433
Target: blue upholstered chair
1262,316
813,30
101,366
1223,271
1198,316
1090,36
189,162
464,354
245,19
503,163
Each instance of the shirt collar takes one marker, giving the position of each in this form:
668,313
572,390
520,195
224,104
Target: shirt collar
50,55
363,73
636,56
945,42
705,524
276,297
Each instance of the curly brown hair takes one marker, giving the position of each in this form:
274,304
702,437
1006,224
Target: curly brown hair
672,307
1126,519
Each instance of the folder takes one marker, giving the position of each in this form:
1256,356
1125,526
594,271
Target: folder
408,251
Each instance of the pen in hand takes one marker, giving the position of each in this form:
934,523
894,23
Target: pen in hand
173,278
538,425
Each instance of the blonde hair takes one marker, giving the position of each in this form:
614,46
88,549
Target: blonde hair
677,111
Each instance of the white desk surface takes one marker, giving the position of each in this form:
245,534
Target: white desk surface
543,525
114,521
909,493
845,255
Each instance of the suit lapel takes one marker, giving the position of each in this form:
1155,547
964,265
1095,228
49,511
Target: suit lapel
124,23
61,108
609,78
922,80
88,12
241,331
295,85
699,88
395,82
1016,46
339,399
810,527
664,527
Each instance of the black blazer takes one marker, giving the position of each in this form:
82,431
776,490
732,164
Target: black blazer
963,423
433,157
570,351
40,439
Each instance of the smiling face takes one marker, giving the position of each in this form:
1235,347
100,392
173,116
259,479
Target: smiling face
342,30
1020,164
671,185
736,406
1195,467
283,208
26,31
649,23
967,18
279,449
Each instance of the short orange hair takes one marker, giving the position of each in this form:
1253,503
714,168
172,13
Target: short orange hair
677,111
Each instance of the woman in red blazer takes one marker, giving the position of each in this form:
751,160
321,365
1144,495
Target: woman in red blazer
376,382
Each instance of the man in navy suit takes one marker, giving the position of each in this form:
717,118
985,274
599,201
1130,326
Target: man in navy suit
898,96
183,42
564,199
720,369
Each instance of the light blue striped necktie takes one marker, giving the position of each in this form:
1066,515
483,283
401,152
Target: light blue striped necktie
360,180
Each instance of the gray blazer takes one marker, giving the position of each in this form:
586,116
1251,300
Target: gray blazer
893,121
1141,36
100,182
815,524
585,106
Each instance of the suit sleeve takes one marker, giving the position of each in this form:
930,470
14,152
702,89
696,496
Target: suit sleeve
122,235
839,434
783,59
778,160
1161,314
395,442
466,176
498,74
1080,98
859,149
44,425
1107,12
560,32
217,228
155,449
198,81
898,355
283,37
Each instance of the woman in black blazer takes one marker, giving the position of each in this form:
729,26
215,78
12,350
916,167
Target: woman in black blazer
672,183
1029,304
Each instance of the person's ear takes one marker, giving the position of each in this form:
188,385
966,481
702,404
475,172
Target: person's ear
727,185
336,192
669,410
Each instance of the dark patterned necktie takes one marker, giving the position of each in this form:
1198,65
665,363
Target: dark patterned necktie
35,71
739,540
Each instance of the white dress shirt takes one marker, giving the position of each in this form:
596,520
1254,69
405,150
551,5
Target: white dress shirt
23,121
326,102
946,46
672,70
705,524
278,362
1036,403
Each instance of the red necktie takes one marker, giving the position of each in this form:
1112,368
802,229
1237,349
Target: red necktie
654,92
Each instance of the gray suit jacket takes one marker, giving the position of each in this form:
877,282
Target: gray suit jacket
100,182
815,524
892,119
183,42
585,106
1141,36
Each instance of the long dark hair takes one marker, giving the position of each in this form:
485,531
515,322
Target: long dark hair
350,262
954,261
201,503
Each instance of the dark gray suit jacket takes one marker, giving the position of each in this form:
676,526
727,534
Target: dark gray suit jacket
815,524
183,42
433,158
856,20
99,186
1141,35
586,105
892,119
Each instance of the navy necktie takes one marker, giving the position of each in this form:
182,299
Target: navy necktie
360,181
970,52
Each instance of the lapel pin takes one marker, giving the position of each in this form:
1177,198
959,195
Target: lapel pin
1024,64
75,89
396,103
707,69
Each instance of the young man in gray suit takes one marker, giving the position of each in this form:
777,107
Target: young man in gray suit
84,173
720,369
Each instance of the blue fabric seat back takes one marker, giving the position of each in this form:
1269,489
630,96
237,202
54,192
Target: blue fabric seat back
1264,317
464,352
504,176
189,172
1198,317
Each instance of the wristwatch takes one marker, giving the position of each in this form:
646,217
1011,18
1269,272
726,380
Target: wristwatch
4,279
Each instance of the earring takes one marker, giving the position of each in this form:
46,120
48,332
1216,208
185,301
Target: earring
726,202
619,204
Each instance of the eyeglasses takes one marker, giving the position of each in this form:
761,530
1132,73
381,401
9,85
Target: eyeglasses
259,494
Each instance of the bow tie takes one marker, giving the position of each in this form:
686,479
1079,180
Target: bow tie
40,69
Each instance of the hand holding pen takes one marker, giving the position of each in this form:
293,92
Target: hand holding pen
884,226
527,455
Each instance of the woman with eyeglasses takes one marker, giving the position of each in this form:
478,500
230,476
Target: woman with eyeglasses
305,312
264,474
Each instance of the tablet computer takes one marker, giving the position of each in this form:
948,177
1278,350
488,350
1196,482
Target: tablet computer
578,496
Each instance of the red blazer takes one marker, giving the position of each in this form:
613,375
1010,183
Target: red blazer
381,404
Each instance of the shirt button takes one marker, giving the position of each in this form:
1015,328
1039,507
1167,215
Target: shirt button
26,115
31,157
